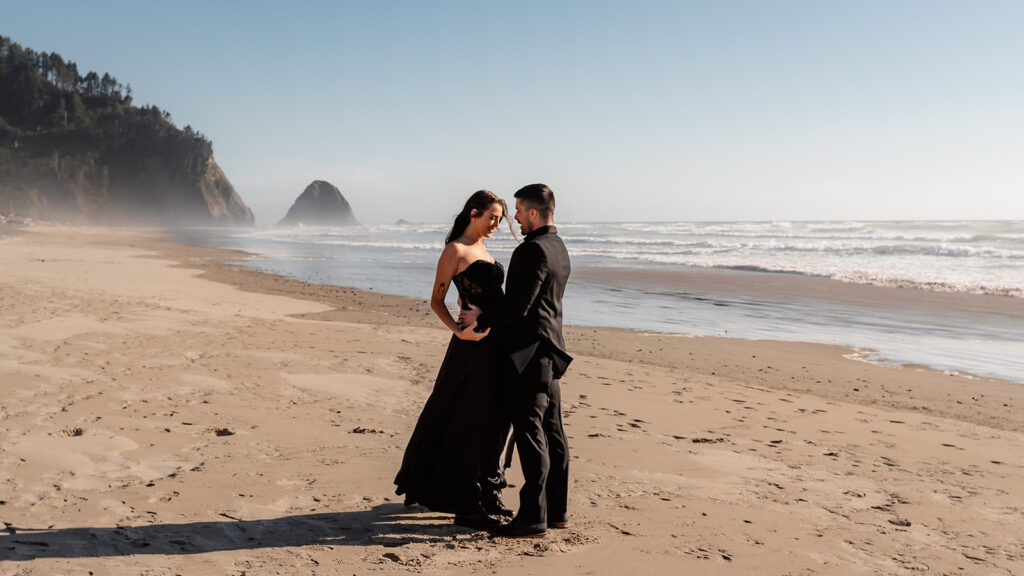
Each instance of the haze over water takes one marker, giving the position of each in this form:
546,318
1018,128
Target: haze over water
624,278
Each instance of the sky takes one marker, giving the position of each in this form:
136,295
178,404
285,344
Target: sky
628,110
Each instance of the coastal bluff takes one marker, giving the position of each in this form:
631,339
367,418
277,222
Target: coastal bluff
320,204
76,149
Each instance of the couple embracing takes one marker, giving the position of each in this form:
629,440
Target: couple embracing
501,370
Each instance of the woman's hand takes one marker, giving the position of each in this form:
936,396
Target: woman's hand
468,333
468,315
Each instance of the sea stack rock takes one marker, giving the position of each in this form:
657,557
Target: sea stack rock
320,204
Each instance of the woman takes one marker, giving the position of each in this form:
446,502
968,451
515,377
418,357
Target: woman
452,461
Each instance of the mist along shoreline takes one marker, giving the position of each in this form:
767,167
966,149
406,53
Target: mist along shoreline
167,411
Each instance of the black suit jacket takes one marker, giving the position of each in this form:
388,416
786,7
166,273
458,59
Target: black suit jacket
530,317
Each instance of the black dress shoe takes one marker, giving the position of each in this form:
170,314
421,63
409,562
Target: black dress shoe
517,529
497,508
559,521
477,521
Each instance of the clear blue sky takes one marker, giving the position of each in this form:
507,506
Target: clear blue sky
716,110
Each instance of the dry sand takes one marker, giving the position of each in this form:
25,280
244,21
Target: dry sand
164,413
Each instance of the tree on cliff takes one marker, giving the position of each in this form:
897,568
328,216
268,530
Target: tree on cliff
75,147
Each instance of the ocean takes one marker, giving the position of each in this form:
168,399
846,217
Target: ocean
960,306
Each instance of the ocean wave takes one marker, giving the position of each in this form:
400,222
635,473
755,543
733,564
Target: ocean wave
363,243
943,251
772,249
813,226
1009,233
434,246
628,241
823,240
908,272
975,257
343,231
934,286
860,277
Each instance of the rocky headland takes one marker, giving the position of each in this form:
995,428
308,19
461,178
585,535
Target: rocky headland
75,149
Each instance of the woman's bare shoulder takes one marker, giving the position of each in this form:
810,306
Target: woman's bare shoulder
450,257
453,249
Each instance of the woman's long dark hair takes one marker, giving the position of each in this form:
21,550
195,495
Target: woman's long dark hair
480,200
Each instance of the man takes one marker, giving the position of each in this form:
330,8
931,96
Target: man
531,319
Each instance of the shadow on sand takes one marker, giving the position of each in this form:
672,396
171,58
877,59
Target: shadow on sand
388,525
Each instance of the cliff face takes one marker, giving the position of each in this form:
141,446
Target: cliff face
225,205
320,204
74,148
88,189
158,191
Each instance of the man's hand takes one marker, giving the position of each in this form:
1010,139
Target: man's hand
467,317
469,332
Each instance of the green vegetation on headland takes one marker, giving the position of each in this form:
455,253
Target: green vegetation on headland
74,148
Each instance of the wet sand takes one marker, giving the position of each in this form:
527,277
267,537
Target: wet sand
798,288
956,332
167,413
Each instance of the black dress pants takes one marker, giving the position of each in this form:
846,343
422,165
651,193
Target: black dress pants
540,439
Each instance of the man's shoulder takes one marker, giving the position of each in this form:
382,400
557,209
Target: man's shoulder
549,242
531,246
545,246
550,237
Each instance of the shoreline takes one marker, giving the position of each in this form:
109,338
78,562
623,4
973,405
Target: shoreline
159,419
951,332
796,285
898,386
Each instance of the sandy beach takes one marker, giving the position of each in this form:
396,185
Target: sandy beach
166,413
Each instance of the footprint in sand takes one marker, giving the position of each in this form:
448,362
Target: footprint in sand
707,440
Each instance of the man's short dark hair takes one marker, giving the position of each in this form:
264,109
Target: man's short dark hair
539,197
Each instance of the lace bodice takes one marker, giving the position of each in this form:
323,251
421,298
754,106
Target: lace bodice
480,284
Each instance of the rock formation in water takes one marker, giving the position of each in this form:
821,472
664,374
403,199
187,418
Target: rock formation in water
320,204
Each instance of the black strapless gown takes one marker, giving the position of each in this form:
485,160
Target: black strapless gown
452,458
